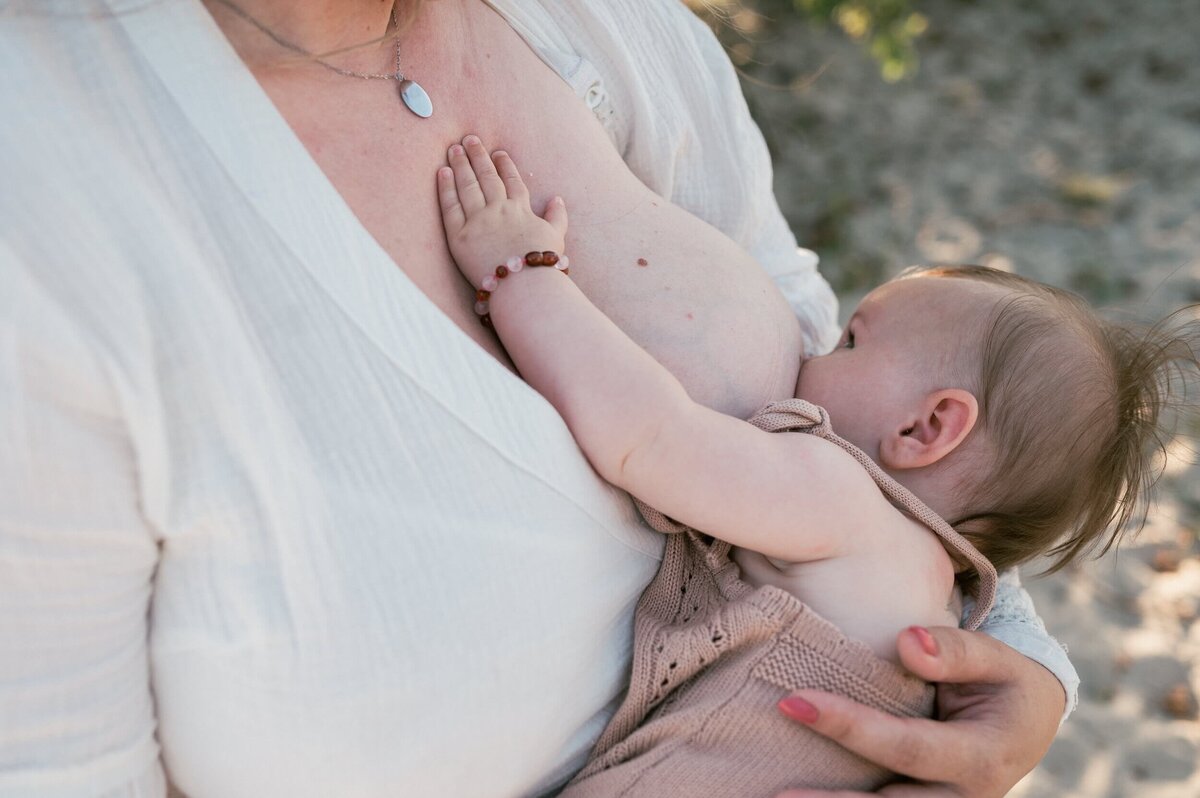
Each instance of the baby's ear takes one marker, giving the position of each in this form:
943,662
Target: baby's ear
939,424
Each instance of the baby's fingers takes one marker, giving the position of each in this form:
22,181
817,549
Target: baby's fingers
511,176
470,195
556,215
485,171
453,217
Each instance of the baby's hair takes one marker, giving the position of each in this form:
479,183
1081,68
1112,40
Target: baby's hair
1073,408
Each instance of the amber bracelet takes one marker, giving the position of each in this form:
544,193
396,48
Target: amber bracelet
511,266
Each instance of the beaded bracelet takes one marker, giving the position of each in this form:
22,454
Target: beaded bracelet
512,266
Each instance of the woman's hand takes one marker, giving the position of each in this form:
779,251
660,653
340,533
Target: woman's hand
486,212
998,713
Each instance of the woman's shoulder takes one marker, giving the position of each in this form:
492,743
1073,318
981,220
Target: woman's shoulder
675,44
91,166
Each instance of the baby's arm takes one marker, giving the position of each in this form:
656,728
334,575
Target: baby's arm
631,417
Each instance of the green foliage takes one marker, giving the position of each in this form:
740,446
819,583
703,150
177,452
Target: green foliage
888,28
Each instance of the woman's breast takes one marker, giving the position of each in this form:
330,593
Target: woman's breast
687,294
679,287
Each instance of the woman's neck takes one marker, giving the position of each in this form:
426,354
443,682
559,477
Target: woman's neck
351,34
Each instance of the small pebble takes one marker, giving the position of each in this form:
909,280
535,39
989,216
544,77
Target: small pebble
1180,703
1166,561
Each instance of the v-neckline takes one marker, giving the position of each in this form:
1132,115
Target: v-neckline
283,182
344,257
187,50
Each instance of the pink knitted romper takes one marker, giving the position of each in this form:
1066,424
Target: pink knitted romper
713,655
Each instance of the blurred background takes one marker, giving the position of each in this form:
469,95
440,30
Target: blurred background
1059,139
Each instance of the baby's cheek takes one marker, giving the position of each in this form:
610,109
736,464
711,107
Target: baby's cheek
808,379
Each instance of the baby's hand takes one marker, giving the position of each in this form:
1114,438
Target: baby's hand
485,209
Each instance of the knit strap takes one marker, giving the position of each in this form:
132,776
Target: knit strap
659,522
799,415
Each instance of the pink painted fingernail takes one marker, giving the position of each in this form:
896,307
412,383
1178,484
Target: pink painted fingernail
799,709
925,639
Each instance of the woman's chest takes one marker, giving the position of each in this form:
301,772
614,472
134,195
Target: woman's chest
679,287
329,495
381,158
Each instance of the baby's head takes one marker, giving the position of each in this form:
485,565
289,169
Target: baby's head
1007,405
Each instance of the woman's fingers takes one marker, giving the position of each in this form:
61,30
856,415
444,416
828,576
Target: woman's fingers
891,791
926,750
998,710
514,184
453,217
824,794
947,654
952,655
470,194
485,171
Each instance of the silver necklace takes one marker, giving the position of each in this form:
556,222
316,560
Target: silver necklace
415,98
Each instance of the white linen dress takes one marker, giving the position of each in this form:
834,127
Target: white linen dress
267,517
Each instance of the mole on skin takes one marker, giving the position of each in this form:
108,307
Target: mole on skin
642,262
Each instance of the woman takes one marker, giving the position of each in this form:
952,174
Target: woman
270,501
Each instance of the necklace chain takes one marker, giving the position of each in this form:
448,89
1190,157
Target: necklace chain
284,43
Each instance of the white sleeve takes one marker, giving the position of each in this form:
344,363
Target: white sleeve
1014,621
732,141
76,564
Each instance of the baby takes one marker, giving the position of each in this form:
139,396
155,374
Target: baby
967,394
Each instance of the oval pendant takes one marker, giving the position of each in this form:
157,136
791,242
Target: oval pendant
416,99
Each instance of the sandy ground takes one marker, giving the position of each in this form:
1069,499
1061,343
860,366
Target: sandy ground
1060,139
